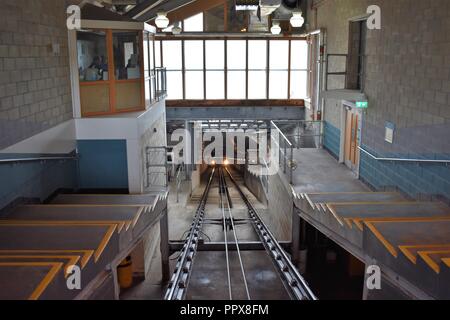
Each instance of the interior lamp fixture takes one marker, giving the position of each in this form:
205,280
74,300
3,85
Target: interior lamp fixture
276,29
297,20
176,28
161,20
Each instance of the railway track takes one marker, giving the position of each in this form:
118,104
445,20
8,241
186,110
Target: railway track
293,283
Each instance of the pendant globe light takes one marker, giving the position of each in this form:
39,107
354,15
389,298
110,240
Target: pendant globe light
297,20
161,20
276,29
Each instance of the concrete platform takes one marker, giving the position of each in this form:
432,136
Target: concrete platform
330,198
317,171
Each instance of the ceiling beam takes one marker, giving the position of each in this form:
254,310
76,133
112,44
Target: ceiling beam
166,6
142,7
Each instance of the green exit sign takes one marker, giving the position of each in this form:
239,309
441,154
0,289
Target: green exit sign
362,104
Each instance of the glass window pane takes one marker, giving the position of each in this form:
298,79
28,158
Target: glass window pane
158,54
236,85
193,54
194,23
278,88
174,85
279,55
172,54
147,54
236,54
215,85
257,54
215,54
92,56
194,85
126,55
257,84
152,53
299,80
299,55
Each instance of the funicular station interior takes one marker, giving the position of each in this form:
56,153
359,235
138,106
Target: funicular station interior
225,149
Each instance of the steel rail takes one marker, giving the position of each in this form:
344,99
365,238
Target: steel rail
180,279
294,283
225,233
236,240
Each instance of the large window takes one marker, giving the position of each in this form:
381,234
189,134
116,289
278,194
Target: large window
215,69
236,66
234,69
257,69
172,59
278,69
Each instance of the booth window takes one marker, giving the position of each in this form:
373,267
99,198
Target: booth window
113,75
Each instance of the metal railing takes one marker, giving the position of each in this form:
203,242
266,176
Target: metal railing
161,83
404,159
40,158
156,167
180,176
303,133
285,151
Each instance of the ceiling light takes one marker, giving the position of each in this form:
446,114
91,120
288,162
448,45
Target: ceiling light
297,20
161,20
276,29
176,29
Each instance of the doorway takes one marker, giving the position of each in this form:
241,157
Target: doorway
352,138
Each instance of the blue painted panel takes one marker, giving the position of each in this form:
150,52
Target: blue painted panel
411,178
103,164
332,139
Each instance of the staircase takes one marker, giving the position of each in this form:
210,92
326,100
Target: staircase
410,238
38,243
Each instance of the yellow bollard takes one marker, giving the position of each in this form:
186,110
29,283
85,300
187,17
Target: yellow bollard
125,273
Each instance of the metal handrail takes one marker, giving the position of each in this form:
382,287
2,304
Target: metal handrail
39,159
402,159
281,132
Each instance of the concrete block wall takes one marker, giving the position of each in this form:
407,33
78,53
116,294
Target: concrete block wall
34,81
407,78
35,181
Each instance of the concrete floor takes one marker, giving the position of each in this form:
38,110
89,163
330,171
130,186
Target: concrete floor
209,277
318,171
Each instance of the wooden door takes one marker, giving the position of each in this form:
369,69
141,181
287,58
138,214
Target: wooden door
351,140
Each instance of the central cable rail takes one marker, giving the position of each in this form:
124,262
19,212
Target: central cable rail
224,193
294,283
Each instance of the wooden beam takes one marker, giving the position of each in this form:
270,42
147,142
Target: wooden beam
194,8
235,103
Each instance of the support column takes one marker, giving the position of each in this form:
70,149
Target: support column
164,246
295,247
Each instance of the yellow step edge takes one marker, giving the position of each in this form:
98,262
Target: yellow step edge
425,255
72,260
357,192
120,224
446,261
382,239
55,267
86,254
98,252
359,221
104,242
405,249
